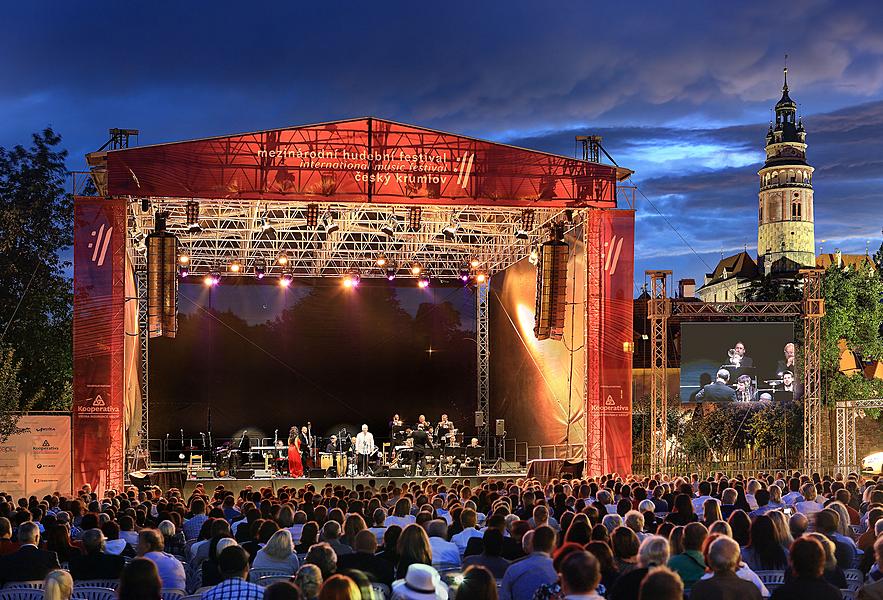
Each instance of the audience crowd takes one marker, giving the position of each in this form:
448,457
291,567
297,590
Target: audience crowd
771,535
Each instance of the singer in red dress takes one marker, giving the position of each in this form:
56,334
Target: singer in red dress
295,466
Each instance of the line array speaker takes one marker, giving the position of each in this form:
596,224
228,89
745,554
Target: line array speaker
162,282
551,298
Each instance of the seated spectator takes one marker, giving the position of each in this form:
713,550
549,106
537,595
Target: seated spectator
490,558
7,544
828,523
477,583
233,563
58,540
469,523
625,544
764,552
323,556
833,574
278,554
808,506
690,564
580,575
58,585
364,559
127,530
609,574
390,551
174,540
282,590
309,581
115,544
723,560
742,571
96,563
611,522
654,552
740,524
171,571
28,563
683,512
873,590
378,528
807,559
797,525
309,536
421,582
524,577
412,548
331,533
211,570
661,583
401,514
444,553
140,581
511,545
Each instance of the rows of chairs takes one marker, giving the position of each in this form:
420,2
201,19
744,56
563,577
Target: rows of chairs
93,589
854,580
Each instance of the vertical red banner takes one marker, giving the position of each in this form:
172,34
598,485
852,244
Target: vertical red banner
99,335
615,410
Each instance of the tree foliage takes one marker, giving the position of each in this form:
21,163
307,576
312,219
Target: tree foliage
36,218
12,401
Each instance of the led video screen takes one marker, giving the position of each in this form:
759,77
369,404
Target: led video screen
738,362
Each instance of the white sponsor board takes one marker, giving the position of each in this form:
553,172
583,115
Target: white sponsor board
37,461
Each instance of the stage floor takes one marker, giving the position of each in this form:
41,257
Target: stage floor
237,485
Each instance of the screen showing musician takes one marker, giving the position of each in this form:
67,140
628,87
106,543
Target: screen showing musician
736,362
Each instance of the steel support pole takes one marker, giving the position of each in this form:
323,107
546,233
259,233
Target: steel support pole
483,359
658,310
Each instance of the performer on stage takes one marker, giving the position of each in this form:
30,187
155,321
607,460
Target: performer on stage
396,421
306,447
295,466
443,431
421,443
245,448
331,446
364,448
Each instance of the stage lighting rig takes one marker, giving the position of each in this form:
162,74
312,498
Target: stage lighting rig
416,268
235,266
465,274
352,279
285,280
260,269
390,273
192,214
523,229
312,215
212,279
184,258
389,228
380,261
474,262
329,224
282,259
423,281
183,271
480,277
415,215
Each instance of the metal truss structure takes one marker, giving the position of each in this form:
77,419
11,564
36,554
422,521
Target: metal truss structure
661,309
658,311
846,412
813,311
483,359
592,319
254,232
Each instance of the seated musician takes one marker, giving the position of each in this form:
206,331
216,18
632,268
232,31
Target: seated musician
443,429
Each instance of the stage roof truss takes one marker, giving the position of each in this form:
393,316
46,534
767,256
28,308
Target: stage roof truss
231,229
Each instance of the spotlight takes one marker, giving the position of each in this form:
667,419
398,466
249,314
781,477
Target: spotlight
140,242
389,228
523,229
423,281
380,261
328,223
450,230
184,258
416,268
285,280
260,269
481,277
183,271
265,225
415,215
235,266
282,259
192,213
212,279
474,262
464,274
352,279
312,215
390,273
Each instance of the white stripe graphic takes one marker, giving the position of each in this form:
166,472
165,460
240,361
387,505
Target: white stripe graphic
616,257
468,170
460,162
609,253
104,247
97,243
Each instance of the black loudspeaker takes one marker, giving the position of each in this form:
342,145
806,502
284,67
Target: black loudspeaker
317,473
551,300
162,281
396,472
204,474
466,471
500,427
479,418
243,473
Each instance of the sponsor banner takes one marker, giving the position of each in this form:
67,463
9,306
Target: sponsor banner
360,160
618,236
37,460
99,301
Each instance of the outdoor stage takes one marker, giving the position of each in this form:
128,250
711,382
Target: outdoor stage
237,485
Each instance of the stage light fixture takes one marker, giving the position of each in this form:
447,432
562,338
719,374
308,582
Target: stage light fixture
212,279
260,269
390,273
352,279
285,280
415,215
450,231
523,229
329,224
184,258
474,262
464,274
192,213
140,242
380,261
416,268
282,259
481,277
312,215
423,281
265,225
534,257
183,271
389,228
235,266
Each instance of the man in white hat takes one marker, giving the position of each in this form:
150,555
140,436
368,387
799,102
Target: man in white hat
421,582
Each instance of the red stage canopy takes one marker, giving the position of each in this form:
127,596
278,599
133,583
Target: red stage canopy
360,160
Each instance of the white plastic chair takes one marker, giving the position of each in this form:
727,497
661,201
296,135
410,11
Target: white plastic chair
854,579
24,585
94,593
254,576
21,594
109,584
771,579
268,579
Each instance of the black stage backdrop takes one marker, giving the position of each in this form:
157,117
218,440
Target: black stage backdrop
252,355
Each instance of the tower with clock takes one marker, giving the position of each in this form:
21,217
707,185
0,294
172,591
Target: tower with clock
785,233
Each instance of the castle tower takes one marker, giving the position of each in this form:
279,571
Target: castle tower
785,233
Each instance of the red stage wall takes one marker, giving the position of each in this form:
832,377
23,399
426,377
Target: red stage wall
99,303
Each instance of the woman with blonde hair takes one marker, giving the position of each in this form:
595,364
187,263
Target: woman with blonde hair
309,580
278,554
843,527
412,547
783,531
58,585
